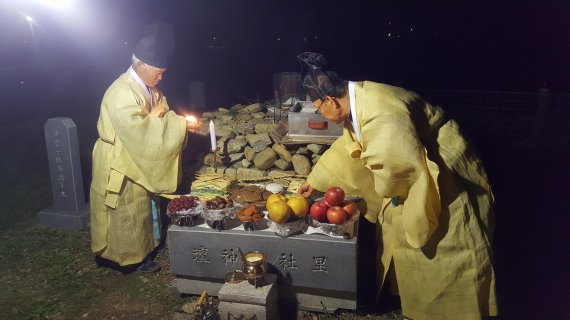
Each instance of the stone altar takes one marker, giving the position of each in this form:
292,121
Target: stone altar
314,272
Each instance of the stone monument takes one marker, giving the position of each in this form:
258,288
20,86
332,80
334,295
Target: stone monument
69,210
198,95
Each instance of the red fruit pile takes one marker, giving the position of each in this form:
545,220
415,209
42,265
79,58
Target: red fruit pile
182,203
333,208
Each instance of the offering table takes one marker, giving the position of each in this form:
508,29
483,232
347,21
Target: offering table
314,272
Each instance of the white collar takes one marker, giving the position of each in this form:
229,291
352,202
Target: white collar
352,97
141,84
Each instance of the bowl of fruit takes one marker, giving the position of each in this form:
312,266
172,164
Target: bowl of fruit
334,214
286,215
219,212
183,210
250,215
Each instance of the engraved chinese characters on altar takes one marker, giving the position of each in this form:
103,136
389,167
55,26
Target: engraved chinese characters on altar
286,261
309,268
229,256
200,255
320,264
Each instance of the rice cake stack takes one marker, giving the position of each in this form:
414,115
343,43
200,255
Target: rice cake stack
207,186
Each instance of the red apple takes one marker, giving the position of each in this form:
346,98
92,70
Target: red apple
350,208
318,211
325,203
334,196
336,215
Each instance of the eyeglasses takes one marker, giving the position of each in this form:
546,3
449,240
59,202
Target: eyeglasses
320,106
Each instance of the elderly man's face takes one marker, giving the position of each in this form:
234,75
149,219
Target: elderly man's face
150,75
332,109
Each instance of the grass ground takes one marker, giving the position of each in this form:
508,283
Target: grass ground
51,274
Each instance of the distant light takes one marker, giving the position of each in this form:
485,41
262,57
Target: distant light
125,43
411,29
278,39
61,4
316,37
22,83
29,19
389,34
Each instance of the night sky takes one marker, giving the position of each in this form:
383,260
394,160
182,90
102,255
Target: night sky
236,46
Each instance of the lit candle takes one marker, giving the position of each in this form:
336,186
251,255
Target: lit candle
191,120
213,135
192,123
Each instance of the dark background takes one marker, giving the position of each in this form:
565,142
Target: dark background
236,46
61,64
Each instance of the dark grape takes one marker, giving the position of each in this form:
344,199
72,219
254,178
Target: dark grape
182,203
219,203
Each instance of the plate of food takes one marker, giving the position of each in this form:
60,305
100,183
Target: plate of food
334,214
184,209
250,194
289,227
219,212
286,216
250,215
344,230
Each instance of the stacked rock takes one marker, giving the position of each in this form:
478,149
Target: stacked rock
246,149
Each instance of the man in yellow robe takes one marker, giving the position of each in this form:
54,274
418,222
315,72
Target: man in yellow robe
136,156
423,185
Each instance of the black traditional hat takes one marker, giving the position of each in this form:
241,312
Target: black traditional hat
318,82
157,44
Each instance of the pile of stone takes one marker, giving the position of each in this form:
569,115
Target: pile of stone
246,150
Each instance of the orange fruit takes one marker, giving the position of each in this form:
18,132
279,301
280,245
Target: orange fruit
299,206
275,197
278,211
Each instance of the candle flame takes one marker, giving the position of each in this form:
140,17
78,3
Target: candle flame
191,119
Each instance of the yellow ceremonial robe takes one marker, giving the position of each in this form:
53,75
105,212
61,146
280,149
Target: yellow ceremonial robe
135,156
427,190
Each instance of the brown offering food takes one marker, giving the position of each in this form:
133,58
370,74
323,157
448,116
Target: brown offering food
182,203
249,213
219,203
250,194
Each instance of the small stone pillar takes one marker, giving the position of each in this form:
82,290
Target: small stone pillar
69,210
197,95
245,301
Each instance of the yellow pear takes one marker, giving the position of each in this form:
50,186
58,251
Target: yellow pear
275,197
299,206
278,211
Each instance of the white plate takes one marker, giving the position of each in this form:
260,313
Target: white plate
334,230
